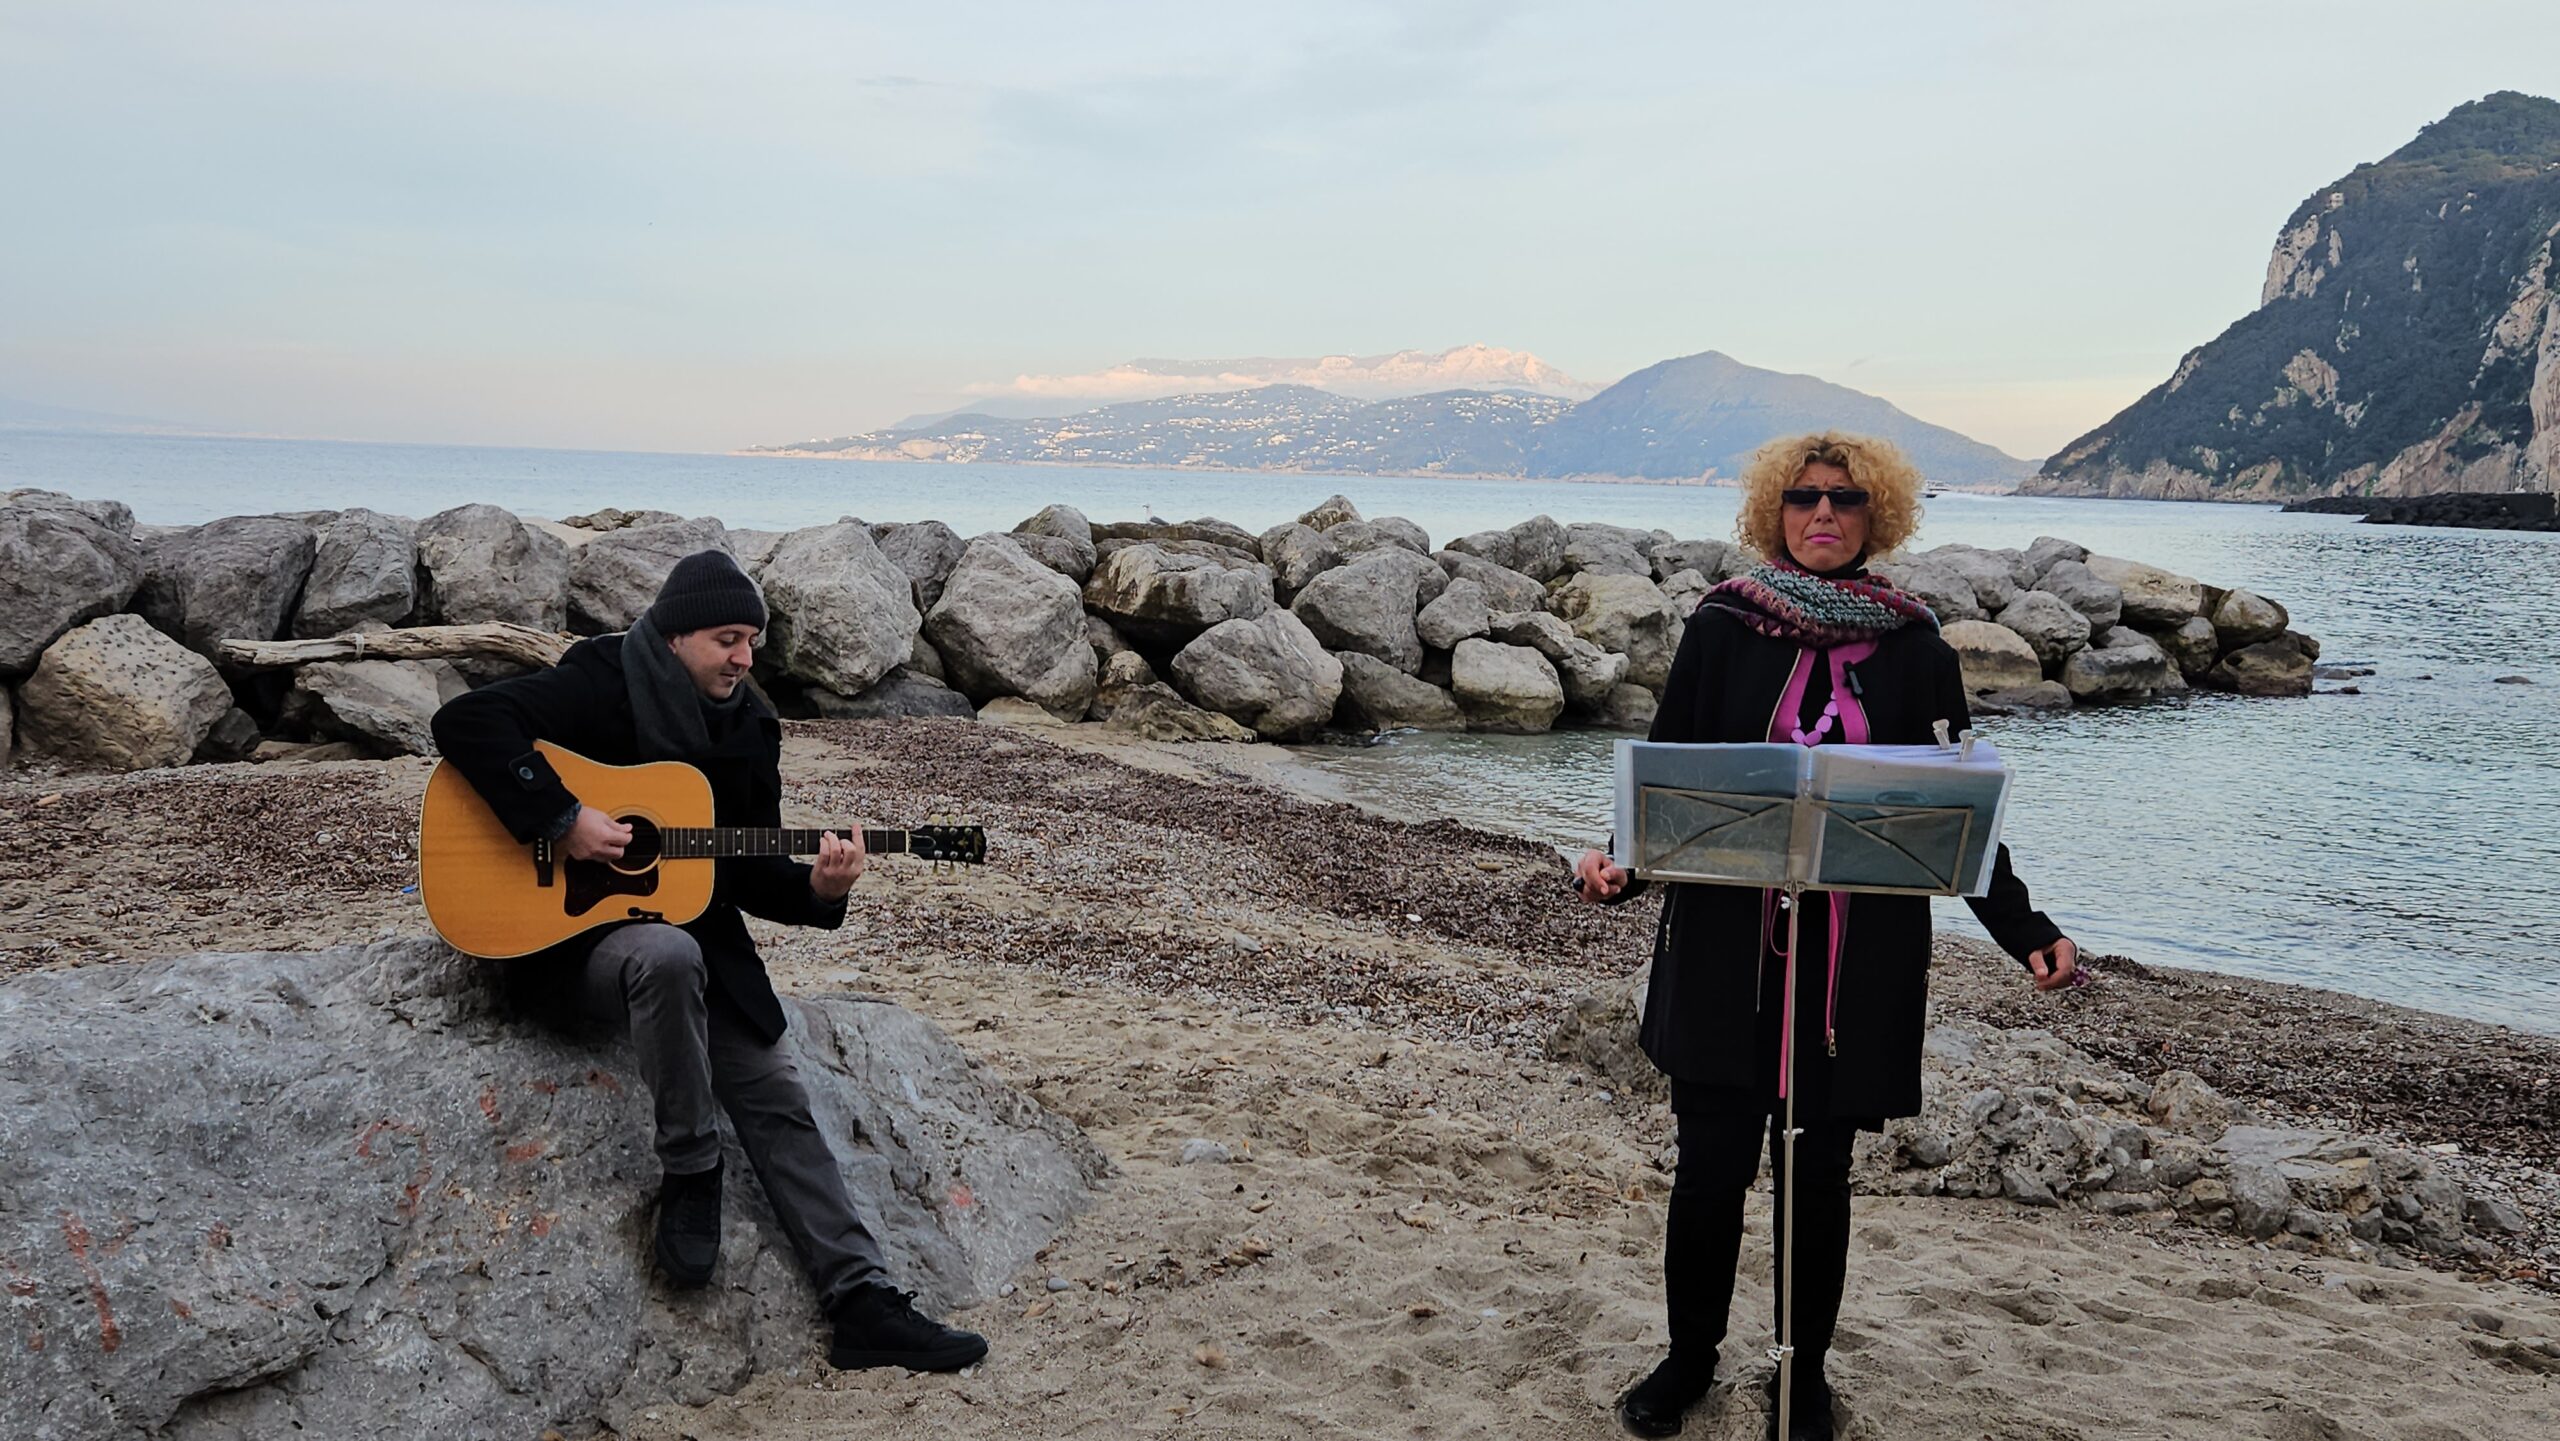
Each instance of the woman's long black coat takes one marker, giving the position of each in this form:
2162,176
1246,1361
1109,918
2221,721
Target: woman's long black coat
1701,1022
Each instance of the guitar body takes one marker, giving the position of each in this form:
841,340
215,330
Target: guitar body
488,895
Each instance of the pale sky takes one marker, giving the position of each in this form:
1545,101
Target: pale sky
676,226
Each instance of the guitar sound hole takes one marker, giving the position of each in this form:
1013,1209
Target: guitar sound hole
642,853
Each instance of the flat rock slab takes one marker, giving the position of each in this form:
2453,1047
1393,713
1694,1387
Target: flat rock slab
342,1194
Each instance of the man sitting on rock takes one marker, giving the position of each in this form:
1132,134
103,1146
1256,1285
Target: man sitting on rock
701,1013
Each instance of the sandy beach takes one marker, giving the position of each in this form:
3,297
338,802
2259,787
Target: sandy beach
1422,1225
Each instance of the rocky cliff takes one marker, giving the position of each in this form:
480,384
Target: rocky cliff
2407,339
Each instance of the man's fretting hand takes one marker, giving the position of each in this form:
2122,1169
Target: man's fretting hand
839,865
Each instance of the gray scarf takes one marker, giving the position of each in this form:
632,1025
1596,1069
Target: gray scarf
673,720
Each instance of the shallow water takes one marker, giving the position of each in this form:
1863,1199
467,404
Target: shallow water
2401,844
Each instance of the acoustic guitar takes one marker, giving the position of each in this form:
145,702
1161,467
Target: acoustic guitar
489,894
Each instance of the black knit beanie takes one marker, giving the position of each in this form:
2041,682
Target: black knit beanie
706,589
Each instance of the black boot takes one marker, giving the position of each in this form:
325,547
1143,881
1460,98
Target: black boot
689,1227
1809,1417
1658,1403
879,1326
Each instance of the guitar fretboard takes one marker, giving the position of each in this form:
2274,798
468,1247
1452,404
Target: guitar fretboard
716,842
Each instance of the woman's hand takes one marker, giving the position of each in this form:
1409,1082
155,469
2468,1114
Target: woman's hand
2056,964
1596,878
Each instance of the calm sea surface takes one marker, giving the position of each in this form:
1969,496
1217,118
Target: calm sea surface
2402,844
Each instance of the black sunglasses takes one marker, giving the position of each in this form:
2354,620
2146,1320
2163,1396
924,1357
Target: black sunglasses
1806,497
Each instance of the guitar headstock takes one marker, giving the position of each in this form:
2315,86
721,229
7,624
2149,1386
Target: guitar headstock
948,842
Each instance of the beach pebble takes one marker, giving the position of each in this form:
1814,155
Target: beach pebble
1060,1283
1200,1150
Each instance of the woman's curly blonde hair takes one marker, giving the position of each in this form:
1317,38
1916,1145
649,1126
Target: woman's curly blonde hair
1878,467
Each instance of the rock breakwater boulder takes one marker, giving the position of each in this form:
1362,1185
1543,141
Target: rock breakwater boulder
1009,624
231,579
59,567
118,695
483,564
339,1194
1269,672
842,612
614,577
364,571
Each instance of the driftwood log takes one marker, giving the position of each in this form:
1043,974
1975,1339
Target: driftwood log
501,640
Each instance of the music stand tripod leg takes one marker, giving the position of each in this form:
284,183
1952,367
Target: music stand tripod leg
1784,1353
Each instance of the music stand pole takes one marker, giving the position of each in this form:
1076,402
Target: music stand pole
1784,1353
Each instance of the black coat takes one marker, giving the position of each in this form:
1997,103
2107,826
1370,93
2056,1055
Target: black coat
1711,1012
583,704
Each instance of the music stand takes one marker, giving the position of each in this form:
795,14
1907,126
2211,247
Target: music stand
1894,820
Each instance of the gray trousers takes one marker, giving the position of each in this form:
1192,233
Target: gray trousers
651,980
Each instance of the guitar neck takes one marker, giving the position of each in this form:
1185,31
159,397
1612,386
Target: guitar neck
716,842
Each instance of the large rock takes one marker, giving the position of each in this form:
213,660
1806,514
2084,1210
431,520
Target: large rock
1378,697
1991,575
2048,624
925,549
1504,588
2192,644
1537,548
2245,618
2268,668
2154,599
482,564
364,570
1297,554
841,612
230,579
614,577
2099,602
1160,596
1707,557
1590,674
900,695
1060,538
1152,710
1335,510
1945,591
1269,672
1490,546
1462,610
1505,687
1352,537
1368,603
115,515
341,1194
1628,615
116,694
1685,589
1992,657
1206,530
1009,625
1610,549
1630,708
59,567
387,705
2124,665
2046,551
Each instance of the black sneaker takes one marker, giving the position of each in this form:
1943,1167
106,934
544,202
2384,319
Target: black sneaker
689,1227
1809,1417
879,1326
1658,1404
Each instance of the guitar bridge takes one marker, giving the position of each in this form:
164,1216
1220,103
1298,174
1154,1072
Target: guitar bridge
542,863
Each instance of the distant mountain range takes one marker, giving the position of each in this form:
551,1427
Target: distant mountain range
2407,339
1696,417
27,415
1362,377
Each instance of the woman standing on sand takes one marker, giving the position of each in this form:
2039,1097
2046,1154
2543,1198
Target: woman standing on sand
1807,648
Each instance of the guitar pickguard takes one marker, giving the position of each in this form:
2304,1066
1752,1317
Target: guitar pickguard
591,882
